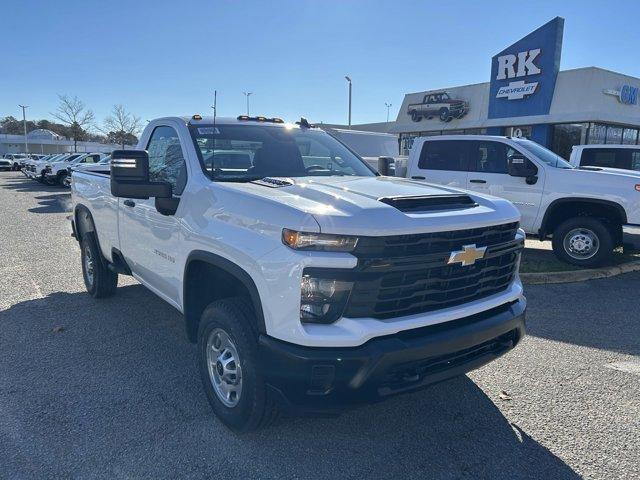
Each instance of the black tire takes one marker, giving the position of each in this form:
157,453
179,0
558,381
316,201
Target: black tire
61,178
98,279
444,114
585,229
255,407
49,181
415,116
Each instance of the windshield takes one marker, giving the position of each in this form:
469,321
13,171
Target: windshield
544,154
369,145
241,153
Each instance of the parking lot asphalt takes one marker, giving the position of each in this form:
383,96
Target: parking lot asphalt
110,389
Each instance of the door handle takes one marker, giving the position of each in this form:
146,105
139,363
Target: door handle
129,203
476,180
417,177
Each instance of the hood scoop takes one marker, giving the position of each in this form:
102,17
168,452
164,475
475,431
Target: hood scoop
274,182
430,203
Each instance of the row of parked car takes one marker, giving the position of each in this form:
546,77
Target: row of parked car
56,169
15,161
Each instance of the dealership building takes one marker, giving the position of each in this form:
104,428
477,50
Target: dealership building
47,142
528,96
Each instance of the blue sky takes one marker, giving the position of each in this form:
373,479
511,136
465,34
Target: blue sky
166,57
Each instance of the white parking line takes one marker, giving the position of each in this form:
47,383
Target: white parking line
632,366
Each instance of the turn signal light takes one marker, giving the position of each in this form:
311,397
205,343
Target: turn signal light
318,241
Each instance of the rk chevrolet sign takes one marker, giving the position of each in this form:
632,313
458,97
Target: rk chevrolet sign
523,75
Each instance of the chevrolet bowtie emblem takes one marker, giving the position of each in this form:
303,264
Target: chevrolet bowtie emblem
468,255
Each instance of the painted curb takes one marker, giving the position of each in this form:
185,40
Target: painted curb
541,278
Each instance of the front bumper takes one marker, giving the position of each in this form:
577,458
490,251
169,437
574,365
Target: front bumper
631,236
317,380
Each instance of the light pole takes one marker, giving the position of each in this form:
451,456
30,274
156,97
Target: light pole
247,94
349,80
24,124
388,105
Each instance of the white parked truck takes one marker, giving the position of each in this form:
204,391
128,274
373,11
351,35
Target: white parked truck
308,281
606,157
587,213
58,172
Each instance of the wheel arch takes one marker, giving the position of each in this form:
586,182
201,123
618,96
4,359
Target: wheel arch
564,208
232,280
83,222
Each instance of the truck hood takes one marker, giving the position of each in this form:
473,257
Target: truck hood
351,205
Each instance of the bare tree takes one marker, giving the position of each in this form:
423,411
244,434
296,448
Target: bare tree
73,113
122,126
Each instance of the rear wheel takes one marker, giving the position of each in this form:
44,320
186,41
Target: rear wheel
98,279
229,366
415,116
583,241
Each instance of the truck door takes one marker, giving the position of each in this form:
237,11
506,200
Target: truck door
443,162
150,241
488,174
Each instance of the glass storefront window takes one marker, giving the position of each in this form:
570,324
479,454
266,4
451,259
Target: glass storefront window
614,134
406,142
630,136
597,133
566,135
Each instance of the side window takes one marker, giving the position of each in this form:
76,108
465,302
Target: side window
597,157
444,155
635,160
490,157
166,162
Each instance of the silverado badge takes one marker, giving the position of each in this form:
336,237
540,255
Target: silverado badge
468,255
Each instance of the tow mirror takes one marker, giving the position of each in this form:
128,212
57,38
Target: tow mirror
130,176
521,166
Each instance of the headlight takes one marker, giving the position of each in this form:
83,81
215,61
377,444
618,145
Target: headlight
322,300
318,241
638,188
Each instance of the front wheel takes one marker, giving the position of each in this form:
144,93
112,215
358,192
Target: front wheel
64,180
444,114
583,241
230,370
98,279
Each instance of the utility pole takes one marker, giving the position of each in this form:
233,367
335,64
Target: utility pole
246,94
24,124
349,80
388,105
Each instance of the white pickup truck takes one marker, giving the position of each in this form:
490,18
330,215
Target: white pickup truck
308,281
58,172
586,212
606,157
